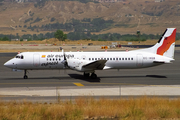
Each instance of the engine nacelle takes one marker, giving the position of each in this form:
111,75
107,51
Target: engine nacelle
76,64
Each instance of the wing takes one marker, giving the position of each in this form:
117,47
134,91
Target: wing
96,65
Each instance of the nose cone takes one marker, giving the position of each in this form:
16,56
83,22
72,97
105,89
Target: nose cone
8,64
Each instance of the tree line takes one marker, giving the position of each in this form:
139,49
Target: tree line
85,36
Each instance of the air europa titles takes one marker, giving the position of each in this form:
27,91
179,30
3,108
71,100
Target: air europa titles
54,59
67,55
49,63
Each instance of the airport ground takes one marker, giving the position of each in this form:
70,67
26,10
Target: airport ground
47,85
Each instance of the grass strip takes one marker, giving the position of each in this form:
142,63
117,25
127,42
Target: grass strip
90,108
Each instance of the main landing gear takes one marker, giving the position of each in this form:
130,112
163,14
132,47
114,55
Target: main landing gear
93,75
86,75
25,76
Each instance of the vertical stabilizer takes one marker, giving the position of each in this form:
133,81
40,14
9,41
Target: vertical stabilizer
165,45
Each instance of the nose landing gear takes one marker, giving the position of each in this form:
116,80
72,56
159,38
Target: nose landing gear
25,76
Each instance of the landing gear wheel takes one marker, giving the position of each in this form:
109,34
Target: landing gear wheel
25,77
86,75
93,76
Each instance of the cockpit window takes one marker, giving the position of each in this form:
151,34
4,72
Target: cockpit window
20,57
17,56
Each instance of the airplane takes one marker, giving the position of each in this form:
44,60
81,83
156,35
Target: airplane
88,62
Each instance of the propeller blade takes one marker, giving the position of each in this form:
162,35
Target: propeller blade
65,60
64,54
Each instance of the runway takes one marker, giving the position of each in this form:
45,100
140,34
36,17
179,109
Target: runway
167,74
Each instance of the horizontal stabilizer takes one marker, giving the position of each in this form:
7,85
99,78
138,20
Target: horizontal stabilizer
168,61
158,62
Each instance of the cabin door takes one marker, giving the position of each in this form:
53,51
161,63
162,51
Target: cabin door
36,60
139,60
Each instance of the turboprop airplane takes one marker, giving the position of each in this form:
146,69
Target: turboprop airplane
88,62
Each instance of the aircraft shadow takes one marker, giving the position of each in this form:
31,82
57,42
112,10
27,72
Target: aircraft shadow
81,77
123,76
74,76
151,76
156,76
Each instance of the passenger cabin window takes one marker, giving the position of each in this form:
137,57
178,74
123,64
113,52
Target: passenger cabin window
113,58
122,58
125,58
110,58
92,58
89,58
128,58
131,58
107,58
119,58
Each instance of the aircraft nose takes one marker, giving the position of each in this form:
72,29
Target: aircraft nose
8,64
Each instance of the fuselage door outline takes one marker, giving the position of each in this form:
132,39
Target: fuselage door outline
36,60
139,61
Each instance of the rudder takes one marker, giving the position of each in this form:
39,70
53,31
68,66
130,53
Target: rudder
166,44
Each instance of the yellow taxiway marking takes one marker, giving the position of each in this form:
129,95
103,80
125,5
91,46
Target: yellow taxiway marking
78,84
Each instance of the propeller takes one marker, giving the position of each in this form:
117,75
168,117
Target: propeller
65,60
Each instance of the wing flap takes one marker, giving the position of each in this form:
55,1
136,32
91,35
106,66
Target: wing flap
96,65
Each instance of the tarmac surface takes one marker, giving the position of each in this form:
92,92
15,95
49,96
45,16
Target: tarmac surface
45,85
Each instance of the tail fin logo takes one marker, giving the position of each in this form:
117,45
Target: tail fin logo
167,43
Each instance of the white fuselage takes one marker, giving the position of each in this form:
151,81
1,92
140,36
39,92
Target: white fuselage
115,60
